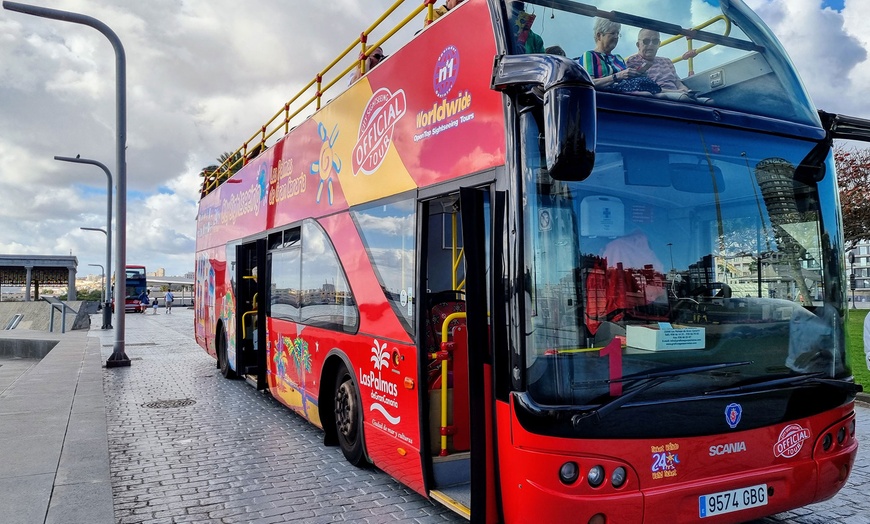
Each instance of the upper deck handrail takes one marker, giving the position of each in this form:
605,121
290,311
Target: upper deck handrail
256,143
691,53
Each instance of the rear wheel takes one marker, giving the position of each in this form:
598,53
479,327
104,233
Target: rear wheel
223,361
348,422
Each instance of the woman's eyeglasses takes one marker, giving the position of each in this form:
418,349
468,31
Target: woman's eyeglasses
379,56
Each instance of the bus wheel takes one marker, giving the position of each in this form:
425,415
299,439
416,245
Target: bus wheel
223,361
348,422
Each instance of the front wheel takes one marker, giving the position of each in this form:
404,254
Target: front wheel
348,421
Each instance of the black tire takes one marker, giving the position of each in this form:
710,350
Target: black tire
223,361
348,419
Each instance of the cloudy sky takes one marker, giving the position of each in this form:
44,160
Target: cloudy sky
203,75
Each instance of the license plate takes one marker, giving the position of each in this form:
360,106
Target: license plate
732,500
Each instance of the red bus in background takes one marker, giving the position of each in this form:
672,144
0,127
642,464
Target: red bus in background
527,298
136,282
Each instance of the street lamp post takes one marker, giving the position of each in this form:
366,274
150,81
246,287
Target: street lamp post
852,276
119,357
107,293
107,301
102,281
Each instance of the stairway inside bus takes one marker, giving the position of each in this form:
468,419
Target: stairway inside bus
248,291
446,343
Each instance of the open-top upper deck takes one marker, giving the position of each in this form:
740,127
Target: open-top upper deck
724,54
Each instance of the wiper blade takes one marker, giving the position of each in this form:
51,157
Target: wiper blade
793,381
649,380
674,371
595,415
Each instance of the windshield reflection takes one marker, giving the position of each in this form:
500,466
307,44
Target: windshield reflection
702,250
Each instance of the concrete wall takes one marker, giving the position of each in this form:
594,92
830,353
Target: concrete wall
37,316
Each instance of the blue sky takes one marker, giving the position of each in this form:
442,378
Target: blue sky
202,75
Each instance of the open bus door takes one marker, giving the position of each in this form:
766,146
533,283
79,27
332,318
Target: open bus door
251,275
460,395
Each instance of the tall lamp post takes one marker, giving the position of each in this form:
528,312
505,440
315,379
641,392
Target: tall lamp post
107,304
119,357
852,276
107,301
102,281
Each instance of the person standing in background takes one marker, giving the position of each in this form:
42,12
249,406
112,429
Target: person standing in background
167,299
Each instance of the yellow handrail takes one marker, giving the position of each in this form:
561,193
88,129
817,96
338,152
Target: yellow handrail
691,53
212,179
444,334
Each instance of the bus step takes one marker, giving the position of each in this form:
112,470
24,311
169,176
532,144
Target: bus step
251,379
456,498
451,470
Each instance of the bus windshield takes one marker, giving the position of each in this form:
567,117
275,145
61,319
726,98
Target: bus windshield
721,66
704,249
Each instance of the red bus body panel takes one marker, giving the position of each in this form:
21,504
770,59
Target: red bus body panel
532,491
390,132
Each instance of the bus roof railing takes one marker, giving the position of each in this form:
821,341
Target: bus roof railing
213,176
691,53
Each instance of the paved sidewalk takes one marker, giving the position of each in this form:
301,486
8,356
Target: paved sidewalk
54,457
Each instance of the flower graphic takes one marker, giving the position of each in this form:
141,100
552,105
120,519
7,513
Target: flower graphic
328,163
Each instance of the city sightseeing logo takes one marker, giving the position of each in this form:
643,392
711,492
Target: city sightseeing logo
376,128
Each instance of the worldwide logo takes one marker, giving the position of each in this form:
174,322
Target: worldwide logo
446,71
733,412
383,110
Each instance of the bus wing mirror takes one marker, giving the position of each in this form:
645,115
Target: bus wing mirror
569,108
570,131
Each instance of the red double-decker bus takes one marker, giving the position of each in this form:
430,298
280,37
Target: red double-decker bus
530,296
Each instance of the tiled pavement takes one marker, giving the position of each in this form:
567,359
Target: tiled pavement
234,455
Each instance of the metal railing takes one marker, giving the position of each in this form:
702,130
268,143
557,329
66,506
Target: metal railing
280,121
13,322
691,52
59,306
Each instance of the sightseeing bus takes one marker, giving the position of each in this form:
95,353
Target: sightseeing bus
532,299
136,284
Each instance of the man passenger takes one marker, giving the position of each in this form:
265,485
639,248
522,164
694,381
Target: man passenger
660,69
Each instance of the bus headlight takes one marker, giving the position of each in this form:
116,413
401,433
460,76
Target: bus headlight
617,478
595,477
569,473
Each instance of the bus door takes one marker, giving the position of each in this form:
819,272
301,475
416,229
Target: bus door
457,391
251,275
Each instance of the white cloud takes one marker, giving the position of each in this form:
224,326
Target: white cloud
202,75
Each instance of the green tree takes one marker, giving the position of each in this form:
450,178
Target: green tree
853,177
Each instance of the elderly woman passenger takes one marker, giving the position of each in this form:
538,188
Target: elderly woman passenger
601,63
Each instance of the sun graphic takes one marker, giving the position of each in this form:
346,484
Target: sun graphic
328,163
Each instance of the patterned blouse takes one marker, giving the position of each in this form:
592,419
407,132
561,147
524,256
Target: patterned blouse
600,65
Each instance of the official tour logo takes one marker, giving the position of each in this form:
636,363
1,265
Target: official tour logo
791,440
383,110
